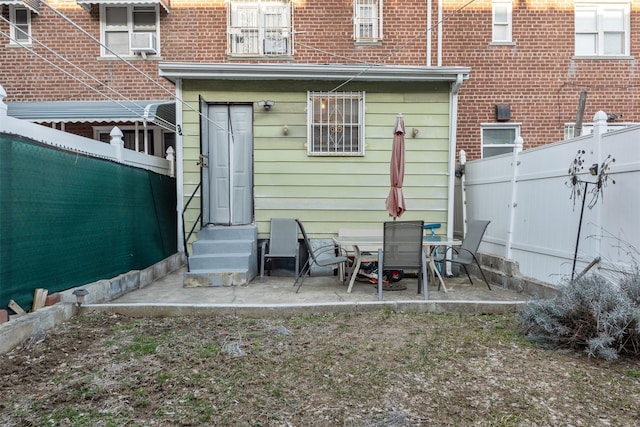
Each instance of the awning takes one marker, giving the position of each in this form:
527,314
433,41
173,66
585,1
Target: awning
86,4
33,5
161,113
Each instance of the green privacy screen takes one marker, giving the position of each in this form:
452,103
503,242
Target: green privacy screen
67,219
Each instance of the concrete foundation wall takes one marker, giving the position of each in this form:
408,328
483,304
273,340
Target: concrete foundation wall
22,328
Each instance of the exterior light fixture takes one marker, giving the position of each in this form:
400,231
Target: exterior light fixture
593,170
80,294
285,130
414,132
266,104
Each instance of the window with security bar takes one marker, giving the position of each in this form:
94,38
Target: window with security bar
259,27
336,124
367,19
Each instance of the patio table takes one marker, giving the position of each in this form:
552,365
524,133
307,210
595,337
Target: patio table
429,243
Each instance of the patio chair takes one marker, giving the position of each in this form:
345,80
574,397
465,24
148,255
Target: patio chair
469,248
283,243
323,256
402,249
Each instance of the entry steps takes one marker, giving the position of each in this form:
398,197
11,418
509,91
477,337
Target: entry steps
223,256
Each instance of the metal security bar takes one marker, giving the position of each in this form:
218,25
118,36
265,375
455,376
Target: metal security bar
336,123
259,27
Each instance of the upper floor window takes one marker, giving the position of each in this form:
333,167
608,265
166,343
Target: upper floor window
129,30
20,18
499,139
501,20
602,29
336,123
259,27
367,20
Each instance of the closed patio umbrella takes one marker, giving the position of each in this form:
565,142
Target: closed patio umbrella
395,200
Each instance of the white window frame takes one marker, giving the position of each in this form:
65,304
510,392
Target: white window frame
158,137
260,28
330,123
15,31
129,27
600,28
587,128
498,126
506,25
367,14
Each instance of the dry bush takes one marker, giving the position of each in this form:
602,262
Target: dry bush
592,314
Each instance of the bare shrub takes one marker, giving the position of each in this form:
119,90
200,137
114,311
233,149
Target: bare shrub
591,314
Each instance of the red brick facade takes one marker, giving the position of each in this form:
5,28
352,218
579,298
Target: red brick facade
536,75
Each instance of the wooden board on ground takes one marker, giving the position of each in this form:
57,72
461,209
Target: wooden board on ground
39,298
16,308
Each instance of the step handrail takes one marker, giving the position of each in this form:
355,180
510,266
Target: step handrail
187,237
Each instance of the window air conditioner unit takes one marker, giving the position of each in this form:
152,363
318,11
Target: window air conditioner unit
276,46
144,43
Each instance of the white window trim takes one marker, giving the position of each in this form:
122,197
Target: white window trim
379,35
484,126
261,5
599,6
14,30
587,128
130,7
509,24
361,124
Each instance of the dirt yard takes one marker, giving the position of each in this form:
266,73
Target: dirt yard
375,369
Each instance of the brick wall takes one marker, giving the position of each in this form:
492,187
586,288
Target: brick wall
536,76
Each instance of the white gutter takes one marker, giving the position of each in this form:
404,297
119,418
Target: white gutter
179,165
308,72
453,123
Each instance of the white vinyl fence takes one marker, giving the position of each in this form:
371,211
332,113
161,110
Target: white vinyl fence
535,210
114,151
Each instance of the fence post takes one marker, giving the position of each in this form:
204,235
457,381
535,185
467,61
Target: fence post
172,165
117,142
3,108
599,129
514,194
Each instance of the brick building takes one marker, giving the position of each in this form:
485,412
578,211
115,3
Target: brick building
530,61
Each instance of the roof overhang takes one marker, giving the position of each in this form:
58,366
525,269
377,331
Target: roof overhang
359,73
161,113
86,4
33,5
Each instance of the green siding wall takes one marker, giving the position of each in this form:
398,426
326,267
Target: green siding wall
329,193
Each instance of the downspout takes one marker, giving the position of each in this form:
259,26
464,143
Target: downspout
453,123
429,20
440,34
179,166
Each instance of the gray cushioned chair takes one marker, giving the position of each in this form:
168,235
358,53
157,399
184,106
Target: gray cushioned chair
283,243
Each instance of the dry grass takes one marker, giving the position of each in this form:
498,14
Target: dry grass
375,369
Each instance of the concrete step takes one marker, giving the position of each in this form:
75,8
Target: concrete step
225,261
201,247
237,232
226,277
